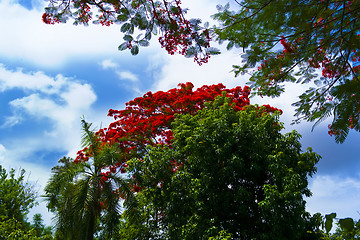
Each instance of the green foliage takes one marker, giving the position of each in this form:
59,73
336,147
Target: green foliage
300,41
329,221
83,196
41,230
227,175
16,196
346,228
13,229
16,199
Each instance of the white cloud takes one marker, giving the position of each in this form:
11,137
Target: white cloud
34,105
79,96
126,75
175,69
202,9
26,37
332,193
109,64
178,69
38,81
11,121
58,99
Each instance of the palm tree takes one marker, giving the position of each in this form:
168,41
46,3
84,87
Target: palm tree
85,196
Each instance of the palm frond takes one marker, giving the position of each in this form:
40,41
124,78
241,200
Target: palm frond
62,175
111,217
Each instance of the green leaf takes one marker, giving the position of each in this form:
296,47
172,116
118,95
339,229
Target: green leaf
144,43
128,38
123,46
230,45
347,224
125,27
135,50
329,221
140,21
131,29
191,52
125,11
122,17
148,35
174,10
213,51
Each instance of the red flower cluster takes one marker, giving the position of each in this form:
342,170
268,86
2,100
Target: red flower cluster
147,121
84,13
50,19
178,33
286,45
329,69
136,188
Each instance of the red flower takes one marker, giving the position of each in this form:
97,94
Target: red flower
137,188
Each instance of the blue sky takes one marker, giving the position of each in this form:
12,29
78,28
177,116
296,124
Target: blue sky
50,76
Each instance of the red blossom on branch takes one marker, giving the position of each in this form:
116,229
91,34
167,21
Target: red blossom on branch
50,19
147,121
177,34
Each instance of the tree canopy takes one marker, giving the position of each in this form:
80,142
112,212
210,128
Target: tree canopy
229,173
201,163
306,41
17,197
146,121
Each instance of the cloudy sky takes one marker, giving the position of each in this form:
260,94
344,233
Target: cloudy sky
51,76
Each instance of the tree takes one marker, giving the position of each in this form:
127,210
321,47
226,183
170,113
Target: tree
288,41
39,227
146,121
227,173
85,195
17,197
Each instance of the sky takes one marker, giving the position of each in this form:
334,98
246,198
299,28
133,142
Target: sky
52,76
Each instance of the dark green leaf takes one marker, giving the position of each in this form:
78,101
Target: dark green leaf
122,17
125,27
135,50
347,224
123,46
128,38
329,221
230,46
